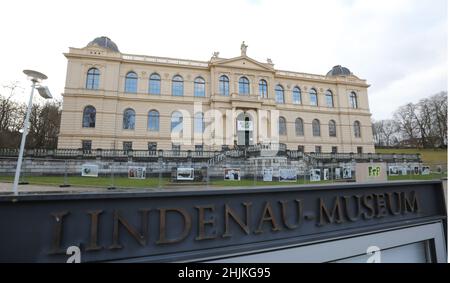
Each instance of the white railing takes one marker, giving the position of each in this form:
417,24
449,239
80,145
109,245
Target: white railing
165,60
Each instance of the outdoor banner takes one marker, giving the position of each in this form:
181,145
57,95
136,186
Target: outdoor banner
267,174
185,174
314,175
232,174
393,170
245,125
288,175
136,172
326,174
426,170
404,170
347,173
89,170
371,172
337,173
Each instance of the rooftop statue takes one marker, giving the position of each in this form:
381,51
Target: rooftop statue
243,49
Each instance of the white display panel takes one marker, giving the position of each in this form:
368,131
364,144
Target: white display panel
400,245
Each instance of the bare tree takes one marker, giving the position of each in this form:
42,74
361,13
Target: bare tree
44,121
385,132
405,117
424,124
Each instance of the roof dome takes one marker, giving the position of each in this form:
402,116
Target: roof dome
339,71
105,42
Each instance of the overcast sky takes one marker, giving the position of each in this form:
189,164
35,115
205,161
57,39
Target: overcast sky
399,46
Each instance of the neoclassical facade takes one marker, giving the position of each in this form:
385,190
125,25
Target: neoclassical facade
114,100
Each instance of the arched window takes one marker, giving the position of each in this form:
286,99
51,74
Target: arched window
129,119
357,129
177,86
244,86
131,80
299,127
154,84
176,121
153,121
313,97
296,95
282,130
89,113
332,128
316,128
93,78
353,100
199,87
279,94
224,85
329,98
263,89
199,122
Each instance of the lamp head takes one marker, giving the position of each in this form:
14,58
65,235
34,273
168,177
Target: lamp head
35,76
44,92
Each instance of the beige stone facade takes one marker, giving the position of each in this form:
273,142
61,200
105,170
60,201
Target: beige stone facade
106,92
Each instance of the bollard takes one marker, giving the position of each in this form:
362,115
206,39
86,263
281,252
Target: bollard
22,180
66,183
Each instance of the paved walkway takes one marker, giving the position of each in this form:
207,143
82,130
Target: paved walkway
6,188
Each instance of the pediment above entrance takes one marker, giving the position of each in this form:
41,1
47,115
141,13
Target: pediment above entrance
244,62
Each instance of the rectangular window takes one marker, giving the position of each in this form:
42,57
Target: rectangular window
86,145
176,149
199,148
334,149
329,99
318,149
127,145
154,85
301,148
152,146
359,149
313,99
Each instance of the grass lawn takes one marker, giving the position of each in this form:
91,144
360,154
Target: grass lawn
429,156
102,182
124,182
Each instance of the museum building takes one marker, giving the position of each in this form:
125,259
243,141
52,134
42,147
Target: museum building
114,100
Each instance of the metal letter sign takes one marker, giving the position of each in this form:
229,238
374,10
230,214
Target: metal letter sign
188,225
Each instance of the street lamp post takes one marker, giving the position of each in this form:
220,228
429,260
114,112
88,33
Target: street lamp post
36,78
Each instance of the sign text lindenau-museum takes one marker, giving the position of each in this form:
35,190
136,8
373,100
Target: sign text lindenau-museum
215,222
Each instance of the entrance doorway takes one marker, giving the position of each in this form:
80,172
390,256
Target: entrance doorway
244,129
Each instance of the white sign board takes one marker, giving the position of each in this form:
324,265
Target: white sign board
371,172
394,170
89,170
245,125
426,170
326,174
288,175
314,175
135,172
267,174
347,173
337,173
185,174
404,170
232,174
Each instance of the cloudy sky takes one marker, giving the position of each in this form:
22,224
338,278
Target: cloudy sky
399,46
